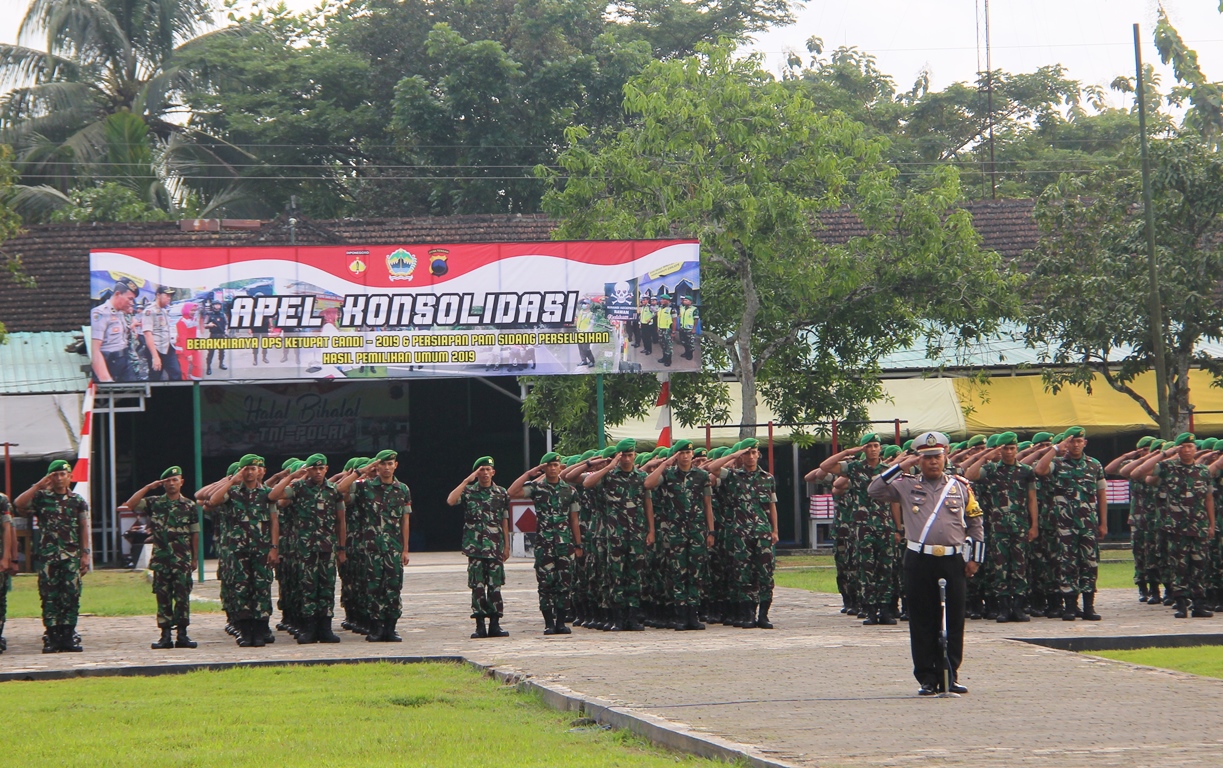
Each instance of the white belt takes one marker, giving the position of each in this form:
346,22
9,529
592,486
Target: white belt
938,550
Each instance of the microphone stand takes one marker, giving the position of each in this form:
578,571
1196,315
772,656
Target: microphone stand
943,644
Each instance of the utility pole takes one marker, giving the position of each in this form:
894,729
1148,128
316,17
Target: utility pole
989,107
1155,304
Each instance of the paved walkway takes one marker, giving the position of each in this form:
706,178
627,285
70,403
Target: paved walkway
819,690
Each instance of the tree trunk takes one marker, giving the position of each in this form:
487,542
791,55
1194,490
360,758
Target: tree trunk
1178,395
747,388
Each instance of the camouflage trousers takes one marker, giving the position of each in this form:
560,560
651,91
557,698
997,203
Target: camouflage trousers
1216,561
172,588
845,562
380,582
6,584
485,577
59,589
626,563
874,549
1144,542
1187,563
353,586
553,575
653,580
688,339
716,587
1078,554
1009,552
288,599
684,559
752,559
1042,564
246,591
316,585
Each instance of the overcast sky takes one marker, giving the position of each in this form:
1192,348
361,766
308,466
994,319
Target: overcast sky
1092,38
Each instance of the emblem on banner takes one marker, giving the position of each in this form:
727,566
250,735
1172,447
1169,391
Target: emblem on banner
356,266
437,261
401,264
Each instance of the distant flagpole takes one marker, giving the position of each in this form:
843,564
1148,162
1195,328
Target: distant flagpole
84,448
664,413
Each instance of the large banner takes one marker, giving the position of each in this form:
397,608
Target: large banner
329,312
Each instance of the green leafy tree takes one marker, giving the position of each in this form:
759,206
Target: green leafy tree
1087,296
10,226
718,150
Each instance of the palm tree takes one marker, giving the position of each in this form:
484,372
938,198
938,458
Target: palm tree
102,59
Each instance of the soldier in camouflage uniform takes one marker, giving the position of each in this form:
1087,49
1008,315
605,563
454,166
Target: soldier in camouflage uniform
1010,486
684,494
717,590
1187,521
585,578
383,504
1142,496
288,560
558,537
8,562
316,509
1045,596
352,589
874,531
62,553
250,528
486,542
1082,515
174,521
754,495
630,530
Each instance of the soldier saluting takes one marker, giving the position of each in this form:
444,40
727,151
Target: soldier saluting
939,516
174,520
486,542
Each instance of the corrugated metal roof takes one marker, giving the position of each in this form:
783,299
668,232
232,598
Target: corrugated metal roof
36,363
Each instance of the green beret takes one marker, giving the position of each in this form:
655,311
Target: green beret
1075,432
1025,445
233,468
1210,443
386,454
171,472
352,463
642,458
627,445
992,441
1060,436
698,451
588,455
250,460
1006,438
1143,442
869,437
1182,438
960,446
976,440
316,460
608,452
57,465
549,457
484,461
681,445
1041,437
907,445
296,465
891,451
749,442
289,462
1197,444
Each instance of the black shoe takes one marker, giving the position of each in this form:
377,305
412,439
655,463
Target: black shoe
222,367
323,630
957,688
269,636
927,689
558,624
1144,592
693,620
494,627
1003,614
747,616
165,641
1200,611
1089,607
1054,602
182,641
872,616
69,641
549,623
389,635
480,630
305,635
886,616
374,635
974,608
244,628
209,371
50,640
1182,608
632,622
617,621
1018,611
1070,611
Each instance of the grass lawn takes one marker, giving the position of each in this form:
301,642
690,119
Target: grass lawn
1204,660
363,714
818,574
104,593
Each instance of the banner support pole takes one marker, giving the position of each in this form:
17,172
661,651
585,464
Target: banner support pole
599,409
199,467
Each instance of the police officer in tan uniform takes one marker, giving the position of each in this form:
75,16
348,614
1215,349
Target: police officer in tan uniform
108,326
939,516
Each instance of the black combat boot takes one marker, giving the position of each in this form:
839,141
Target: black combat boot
844,601
242,628
558,623
261,626
904,609
632,621
165,641
374,633
1155,598
1055,603
1144,591
323,630
549,623
305,634
729,611
1036,605
389,635
3,641
886,615
1182,608
1071,610
747,616
1019,611
762,620
50,640
974,608
872,616
182,641
1003,614
692,619
480,629
990,611
1201,610
1089,607
494,627
69,641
